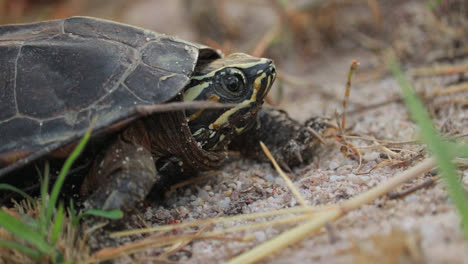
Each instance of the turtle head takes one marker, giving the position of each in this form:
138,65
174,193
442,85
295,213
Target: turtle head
237,79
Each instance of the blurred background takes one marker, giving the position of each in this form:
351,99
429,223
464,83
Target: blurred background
302,36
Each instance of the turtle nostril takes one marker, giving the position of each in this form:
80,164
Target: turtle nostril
272,70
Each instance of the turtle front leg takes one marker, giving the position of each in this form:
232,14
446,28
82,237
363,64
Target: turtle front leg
124,173
290,142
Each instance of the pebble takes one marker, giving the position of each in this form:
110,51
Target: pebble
260,236
349,191
411,198
334,178
224,203
355,179
203,194
371,156
333,165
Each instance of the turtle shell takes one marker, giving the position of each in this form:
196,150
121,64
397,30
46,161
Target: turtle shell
56,76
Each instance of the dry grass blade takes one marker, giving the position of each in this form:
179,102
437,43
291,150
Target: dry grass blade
452,89
376,13
288,181
300,232
456,88
352,69
178,246
385,142
407,162
265,41
426,183
379,165
264,224
175,106
293,210
154,242
440,70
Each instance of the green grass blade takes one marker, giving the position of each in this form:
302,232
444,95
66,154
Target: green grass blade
462,151
64,171
433,4
457,149
110,214
36,255
435,144
58,224
72,212
23,231
31,222
4,186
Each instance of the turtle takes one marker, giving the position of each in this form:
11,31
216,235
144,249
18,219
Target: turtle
146,91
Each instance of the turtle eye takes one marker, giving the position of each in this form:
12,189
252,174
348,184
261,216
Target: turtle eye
233,83
230,83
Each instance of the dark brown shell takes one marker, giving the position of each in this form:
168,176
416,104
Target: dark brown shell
55,76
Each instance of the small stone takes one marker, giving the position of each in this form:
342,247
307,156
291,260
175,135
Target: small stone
333,165
334,178
371,156
203,194
349,191
411,198
224,203
260,236
355,179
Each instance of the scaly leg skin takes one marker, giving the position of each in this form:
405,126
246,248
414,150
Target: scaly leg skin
124,174
290,142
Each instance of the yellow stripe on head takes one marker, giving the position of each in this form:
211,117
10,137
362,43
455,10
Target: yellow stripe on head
193,92
257,85
224,118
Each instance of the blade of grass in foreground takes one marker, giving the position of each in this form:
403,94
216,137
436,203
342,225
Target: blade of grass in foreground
23,231
64,171
4,186
21,248
435,143
110,214
58,223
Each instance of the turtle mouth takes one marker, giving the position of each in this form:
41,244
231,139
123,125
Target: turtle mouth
266,82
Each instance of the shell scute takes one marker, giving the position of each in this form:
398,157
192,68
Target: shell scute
62,73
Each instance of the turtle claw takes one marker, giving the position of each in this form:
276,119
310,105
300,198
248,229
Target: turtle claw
284,166
298,155
303,144
291,153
